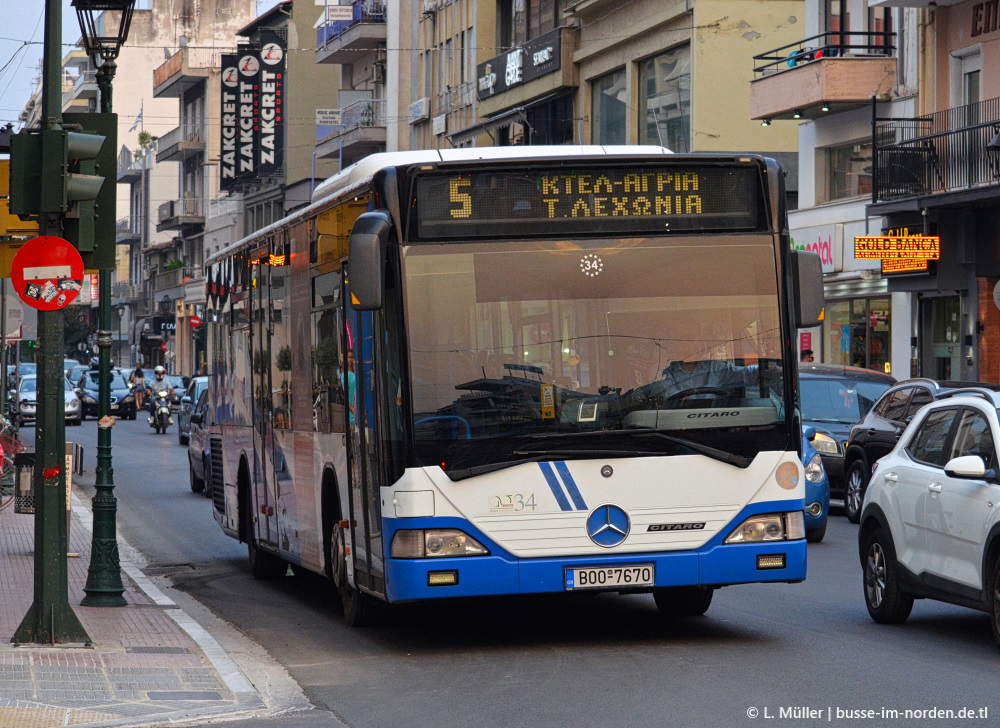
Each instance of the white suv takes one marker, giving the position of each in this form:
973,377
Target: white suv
930,524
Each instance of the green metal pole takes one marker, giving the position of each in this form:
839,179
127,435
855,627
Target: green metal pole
104,581
50,619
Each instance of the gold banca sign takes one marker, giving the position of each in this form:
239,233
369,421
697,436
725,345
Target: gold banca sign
926,247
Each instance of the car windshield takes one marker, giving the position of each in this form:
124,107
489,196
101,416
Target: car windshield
607,339
839,400
26,369
92,381
28,386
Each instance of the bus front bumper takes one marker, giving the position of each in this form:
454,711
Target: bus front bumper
500,574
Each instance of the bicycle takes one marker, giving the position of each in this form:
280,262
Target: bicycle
9,447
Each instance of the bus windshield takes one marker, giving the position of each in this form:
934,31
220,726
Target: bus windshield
582,347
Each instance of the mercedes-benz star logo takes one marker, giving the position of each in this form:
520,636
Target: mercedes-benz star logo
608,525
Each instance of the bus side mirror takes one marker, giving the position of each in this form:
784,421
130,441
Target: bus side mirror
807,288
366,260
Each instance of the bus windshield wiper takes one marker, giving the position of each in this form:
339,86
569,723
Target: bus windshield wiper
720,455
463,473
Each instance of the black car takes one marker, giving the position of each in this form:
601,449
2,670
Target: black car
835,398
877,434
122,399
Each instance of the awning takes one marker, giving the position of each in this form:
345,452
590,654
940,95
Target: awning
488,125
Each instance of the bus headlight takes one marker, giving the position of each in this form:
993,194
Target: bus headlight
772,527
825,443
814,470
433,542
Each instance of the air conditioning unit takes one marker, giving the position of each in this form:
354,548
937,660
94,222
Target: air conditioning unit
418,111
430,7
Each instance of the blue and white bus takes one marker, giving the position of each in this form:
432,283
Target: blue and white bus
475,372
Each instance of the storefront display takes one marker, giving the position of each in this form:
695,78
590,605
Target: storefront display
857,333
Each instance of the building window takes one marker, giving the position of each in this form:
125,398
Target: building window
665,85
608,108
848,171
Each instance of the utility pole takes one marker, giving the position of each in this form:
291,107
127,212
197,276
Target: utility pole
50,619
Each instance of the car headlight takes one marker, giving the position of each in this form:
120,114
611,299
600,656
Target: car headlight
825,443
433,542
772,527
128,398
74,403
814,470
89,400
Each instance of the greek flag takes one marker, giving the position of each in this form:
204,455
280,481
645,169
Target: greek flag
138,120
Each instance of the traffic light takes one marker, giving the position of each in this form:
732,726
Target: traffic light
13,231
90,190
26,173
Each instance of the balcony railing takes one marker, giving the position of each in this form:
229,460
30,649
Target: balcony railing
367,112
825,45
945,151
126,290
365,11
176,213
167,279
192,131
128,226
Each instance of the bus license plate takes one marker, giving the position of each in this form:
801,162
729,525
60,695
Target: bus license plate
610,577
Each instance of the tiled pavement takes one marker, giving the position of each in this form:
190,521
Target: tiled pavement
150,663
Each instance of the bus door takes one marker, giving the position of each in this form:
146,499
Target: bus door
364,451
265,495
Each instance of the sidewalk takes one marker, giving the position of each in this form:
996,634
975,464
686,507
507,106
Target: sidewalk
150,663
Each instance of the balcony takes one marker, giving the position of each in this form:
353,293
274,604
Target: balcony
181,142
168,279
79,93
184,70
179,214
128,169
361,131
827,73
949,151
128,229
126,291
346,41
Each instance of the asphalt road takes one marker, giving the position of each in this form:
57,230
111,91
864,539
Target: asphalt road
566,660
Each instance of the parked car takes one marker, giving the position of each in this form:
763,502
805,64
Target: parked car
24,404
196,386
817,489
122,399
834,398
877,434
199,454
74,373
928,528
177,383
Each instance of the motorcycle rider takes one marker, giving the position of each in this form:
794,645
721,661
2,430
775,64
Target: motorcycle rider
159,384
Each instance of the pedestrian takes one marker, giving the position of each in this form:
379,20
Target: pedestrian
138,382
807,355
202,370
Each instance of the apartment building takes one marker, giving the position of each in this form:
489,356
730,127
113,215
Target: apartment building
190,76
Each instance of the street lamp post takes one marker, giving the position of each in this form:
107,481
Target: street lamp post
104,582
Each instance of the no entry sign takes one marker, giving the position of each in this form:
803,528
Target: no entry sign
163,346
47,273
195,321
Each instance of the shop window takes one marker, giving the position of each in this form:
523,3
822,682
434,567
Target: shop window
848,171
665,85
857,333
609,95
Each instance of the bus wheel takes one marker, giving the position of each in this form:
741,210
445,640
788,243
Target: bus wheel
686,601
358,607
263,564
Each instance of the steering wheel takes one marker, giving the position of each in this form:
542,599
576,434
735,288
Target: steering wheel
695,391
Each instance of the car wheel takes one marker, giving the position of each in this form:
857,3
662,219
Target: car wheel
180,437
994,592
886,601
197,484
688,601
815,535
855,483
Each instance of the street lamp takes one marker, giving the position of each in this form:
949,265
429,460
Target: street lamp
104,582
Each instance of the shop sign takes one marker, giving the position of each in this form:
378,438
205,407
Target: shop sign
534,59
822,240
885,247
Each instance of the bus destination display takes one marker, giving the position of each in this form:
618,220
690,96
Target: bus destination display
600,199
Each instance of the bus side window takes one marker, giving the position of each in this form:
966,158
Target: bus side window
328,394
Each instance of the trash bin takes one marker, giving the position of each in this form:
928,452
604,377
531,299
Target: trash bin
24,482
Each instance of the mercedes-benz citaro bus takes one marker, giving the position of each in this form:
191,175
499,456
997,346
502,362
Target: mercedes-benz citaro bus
516,370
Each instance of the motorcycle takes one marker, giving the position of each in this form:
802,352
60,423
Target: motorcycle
160,416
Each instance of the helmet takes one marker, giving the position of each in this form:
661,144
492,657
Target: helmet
159,371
